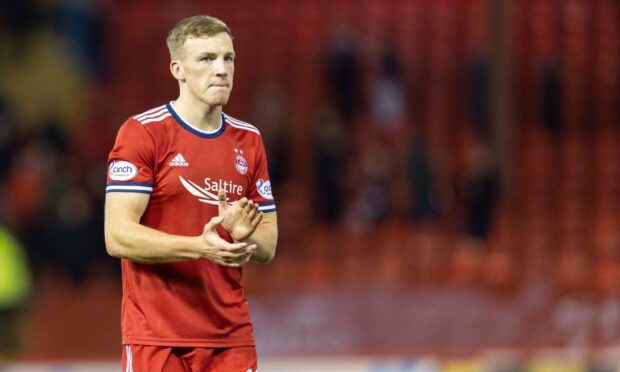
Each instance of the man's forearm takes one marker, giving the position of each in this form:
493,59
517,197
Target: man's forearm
137,242
265,237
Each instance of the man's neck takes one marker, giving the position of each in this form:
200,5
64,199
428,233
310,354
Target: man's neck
198,114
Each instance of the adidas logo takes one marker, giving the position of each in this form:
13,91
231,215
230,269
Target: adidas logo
179,161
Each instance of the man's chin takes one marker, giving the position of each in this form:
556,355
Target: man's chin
216,101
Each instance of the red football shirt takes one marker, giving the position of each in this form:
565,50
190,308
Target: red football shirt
193,303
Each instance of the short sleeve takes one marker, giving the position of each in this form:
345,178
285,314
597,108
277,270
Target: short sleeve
130,163
260,188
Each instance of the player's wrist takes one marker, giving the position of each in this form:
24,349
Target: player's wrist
197,247
241,237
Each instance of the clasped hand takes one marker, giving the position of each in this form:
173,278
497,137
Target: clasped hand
240,219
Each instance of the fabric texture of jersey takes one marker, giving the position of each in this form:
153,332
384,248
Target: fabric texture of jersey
193,303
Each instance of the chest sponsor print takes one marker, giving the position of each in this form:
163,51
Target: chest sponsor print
208,192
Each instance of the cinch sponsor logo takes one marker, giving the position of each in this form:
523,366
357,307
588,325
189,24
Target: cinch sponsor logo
264,189
122,170
208,193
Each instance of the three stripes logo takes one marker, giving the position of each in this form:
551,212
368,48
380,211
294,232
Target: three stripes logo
179,161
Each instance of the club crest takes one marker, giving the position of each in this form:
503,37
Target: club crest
241,164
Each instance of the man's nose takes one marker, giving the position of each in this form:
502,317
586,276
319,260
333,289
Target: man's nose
219,67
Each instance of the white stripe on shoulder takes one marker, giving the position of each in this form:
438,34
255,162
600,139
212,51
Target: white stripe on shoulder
241,126
154,114
139,116
239,122
159,118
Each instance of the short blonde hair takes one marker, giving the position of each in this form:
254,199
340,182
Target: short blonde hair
196,27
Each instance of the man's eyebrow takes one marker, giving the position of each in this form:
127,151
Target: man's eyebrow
213,54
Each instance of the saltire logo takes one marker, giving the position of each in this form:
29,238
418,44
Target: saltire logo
208,194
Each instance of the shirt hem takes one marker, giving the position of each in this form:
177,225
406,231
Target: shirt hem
191,343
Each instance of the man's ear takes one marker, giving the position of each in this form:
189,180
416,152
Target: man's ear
177,70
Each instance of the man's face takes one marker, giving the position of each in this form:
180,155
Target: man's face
208,67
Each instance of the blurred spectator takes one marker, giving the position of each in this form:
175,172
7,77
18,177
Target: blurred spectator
329,164
482,189
52,132
73,233
369,185
618,93
387,94
53,205
479,80
35,166
342,70
551,96
19,18
43,81
7,141
81,26
15,282
272,118
31,171
421,180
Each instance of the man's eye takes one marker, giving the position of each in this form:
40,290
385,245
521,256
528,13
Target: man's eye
229,59
208,59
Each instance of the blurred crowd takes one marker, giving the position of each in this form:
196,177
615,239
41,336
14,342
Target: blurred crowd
374,160
373,156
369,161
51,195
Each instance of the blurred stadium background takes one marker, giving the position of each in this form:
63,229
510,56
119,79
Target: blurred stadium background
447,176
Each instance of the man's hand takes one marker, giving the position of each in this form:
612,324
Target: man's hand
222,252
239,219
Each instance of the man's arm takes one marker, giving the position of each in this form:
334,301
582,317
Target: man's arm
265,237
126,238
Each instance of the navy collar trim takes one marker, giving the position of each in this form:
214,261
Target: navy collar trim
200,133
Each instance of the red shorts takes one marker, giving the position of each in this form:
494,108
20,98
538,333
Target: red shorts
147,358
